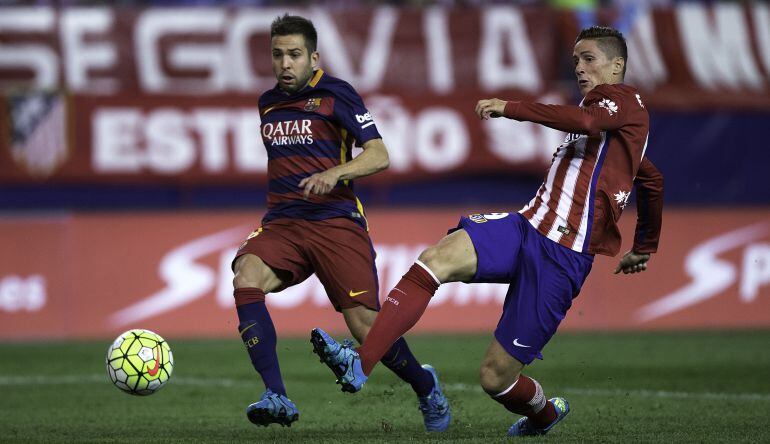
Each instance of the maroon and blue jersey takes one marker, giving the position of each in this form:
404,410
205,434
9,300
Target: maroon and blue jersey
308,132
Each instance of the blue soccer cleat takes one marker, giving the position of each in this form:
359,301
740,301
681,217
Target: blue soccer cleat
342,359
272,408
436,413
523,427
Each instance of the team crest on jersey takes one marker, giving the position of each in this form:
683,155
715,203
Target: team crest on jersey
609,105
621,198
313,104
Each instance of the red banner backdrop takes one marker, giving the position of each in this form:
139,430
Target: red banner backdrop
110,95
83,276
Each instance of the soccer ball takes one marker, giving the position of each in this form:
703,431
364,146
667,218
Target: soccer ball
139,362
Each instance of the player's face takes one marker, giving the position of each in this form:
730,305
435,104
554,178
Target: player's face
292,64
593,67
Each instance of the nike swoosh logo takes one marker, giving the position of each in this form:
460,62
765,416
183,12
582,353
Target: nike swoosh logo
156,353
519,344
353,294
247,327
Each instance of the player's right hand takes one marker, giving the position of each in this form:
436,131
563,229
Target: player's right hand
487,108
319,183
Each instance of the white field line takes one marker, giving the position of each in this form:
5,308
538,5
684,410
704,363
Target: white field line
640,393
23,380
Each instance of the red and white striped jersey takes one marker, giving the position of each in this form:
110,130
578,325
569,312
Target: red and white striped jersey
590,178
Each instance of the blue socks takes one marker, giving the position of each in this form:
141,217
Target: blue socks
400,360
258,335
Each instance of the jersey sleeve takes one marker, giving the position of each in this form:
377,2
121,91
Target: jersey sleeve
353,116
649,207
604,109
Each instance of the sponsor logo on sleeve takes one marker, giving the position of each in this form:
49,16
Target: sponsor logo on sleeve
363,119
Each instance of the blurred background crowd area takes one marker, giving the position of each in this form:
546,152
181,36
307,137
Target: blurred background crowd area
565,4
85,90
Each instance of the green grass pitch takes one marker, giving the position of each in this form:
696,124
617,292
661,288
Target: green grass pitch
623,387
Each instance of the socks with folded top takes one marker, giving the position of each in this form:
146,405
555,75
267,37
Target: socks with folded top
525,397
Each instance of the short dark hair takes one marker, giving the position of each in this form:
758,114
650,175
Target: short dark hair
610,41
294,24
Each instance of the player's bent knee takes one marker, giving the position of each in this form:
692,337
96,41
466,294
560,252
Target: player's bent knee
494,379
252,272
431,258
491,380
452,259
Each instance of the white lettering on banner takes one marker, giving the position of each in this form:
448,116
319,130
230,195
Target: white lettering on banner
374,55
520,142
169,149
710,274
212,125
187,279
154,24
438,49
171,141
40,59
756,271
240,29
115,135
22,294
442,141
80,57
505,37
762,32
395,125
435,139
719,55
648,69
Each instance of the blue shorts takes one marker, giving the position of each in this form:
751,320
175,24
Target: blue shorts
544,277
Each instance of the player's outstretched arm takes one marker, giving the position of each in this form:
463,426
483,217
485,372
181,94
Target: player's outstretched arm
573,119
373,159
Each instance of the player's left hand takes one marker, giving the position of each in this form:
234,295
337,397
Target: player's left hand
487,108
319,183
632,263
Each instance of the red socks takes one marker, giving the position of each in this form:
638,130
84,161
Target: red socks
400,311
245,296
525,397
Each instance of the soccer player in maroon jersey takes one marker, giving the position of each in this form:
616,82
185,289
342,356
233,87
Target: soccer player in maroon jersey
314,222
545,251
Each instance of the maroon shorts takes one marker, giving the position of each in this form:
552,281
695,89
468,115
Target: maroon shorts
337,250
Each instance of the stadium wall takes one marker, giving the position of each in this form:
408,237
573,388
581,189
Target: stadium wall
88,276
166,97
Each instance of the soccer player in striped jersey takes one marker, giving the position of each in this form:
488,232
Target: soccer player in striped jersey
314,222
545,251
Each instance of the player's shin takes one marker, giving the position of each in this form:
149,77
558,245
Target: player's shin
400,360
258,335
525,397
401,310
